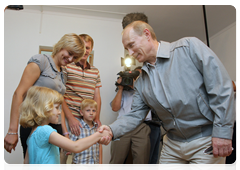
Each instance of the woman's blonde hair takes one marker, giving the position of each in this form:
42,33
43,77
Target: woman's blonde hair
72,43
88,102
38,105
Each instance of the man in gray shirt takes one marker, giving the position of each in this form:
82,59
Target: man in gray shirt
190,90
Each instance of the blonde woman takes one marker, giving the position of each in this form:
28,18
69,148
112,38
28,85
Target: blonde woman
42,70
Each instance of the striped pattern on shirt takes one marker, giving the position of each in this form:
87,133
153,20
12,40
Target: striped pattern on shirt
81,84
90,155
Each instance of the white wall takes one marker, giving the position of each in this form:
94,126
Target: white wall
224,45
25,31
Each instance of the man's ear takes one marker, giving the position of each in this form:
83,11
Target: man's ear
147,33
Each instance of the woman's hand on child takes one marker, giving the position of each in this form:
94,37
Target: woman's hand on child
98,122
74,126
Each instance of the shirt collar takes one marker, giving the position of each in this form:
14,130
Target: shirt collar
84,124
147,63
162,52
80,65
53,65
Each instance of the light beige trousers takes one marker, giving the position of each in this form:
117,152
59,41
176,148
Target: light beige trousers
174,152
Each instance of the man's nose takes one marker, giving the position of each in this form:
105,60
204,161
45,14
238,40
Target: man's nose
130,52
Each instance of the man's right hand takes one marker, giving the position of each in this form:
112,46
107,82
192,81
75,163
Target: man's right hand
74,126
104,140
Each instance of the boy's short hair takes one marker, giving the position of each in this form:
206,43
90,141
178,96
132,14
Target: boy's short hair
37,106
88,102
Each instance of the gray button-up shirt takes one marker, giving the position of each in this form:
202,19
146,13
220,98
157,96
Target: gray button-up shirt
197,88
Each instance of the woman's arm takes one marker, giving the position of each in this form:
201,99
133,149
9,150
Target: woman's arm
75,146
29,77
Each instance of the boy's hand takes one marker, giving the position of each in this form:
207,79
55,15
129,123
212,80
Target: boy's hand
68,153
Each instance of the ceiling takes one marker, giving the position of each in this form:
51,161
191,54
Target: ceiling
170,22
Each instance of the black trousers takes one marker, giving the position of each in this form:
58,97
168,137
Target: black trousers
232,160
25,132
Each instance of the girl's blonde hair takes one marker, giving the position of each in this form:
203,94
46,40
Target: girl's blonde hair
72,43
88,102
38,105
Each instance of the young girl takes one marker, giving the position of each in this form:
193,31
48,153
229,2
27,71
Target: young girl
41,107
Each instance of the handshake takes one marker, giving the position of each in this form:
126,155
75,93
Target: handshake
106,135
